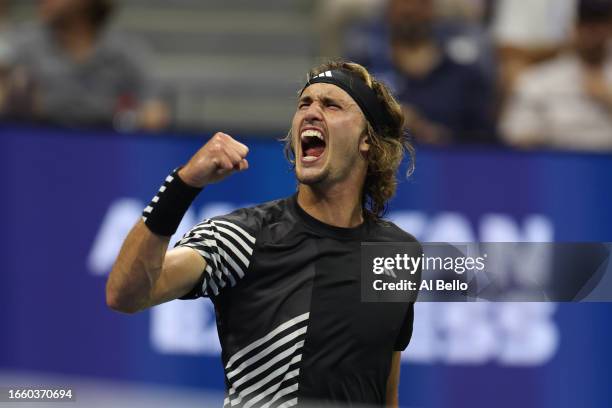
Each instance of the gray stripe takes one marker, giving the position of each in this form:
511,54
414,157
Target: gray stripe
252,374
267,351
243,232
267,337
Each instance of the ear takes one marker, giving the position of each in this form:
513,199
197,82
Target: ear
364,142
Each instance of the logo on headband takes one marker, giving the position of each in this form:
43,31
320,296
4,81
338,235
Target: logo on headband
373,109
323,74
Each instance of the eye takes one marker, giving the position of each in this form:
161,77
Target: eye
303,105
333,105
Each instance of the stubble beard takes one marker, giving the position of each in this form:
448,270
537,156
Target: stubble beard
313,180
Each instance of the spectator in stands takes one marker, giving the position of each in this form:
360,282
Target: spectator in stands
445,94
527,33
567,102
72,71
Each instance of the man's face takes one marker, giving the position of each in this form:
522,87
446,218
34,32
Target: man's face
329,141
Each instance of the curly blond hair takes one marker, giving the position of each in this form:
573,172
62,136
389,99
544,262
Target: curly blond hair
387,148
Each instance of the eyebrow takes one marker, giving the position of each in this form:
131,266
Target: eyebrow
326,100
306,99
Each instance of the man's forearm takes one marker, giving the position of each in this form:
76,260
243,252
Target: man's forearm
133,282
136,270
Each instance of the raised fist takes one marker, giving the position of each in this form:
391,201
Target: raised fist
217,159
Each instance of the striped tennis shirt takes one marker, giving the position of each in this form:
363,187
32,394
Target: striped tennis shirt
287,297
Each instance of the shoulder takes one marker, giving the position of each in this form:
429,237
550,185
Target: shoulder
254,218
387,231
243,225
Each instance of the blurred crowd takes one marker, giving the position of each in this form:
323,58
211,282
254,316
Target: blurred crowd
528,74
68,69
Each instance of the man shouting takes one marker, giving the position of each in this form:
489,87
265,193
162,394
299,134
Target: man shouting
284,276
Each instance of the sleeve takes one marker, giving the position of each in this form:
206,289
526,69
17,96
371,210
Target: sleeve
405,332
227,248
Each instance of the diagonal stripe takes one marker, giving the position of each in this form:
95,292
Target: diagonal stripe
225,271
235,251
267,337
226,251
205,286
246,247
280,356
289,403
213,286
200,226
269,390
211,260
237,228
214,259
208,243
261,395
281,393
267,351
215,268
219,282
228,244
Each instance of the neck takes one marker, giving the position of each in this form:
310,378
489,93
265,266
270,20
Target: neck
76,36
339,207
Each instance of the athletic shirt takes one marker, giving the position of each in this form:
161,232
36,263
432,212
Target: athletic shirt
287,296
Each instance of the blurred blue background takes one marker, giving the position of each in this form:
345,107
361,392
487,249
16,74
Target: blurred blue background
69,197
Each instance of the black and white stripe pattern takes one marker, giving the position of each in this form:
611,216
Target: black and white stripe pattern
149,208
227,249
265,373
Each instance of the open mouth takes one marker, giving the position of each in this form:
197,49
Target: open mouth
313,144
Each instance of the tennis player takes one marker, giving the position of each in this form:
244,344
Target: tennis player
284,276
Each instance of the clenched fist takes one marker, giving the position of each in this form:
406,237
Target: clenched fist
217,159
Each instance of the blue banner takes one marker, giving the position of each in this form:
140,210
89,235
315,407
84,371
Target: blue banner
69,198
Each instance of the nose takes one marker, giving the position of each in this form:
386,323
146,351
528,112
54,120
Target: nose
313,113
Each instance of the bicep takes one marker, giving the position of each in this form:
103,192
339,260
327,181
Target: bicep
393,380
182,269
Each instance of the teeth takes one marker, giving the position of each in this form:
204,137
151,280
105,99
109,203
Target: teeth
311,133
